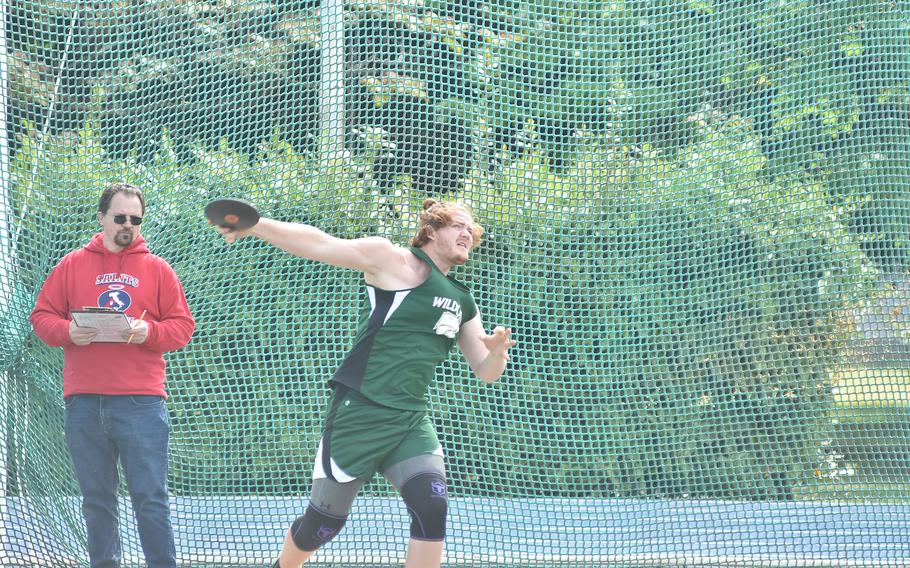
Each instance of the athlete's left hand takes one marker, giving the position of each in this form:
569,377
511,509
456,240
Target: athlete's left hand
499,341
139,332
231,235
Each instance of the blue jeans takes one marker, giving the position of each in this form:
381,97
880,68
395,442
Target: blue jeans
134,429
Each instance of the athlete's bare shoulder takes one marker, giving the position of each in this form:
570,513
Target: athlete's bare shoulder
403,270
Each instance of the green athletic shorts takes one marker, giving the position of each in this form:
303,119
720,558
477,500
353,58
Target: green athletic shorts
361,437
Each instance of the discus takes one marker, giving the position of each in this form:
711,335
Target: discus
234,214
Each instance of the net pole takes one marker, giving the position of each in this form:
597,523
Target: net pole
52,105
6,249
6,261
331,111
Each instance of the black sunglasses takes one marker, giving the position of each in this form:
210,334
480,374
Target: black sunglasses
121,219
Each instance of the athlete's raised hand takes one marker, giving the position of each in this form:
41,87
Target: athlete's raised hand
499,341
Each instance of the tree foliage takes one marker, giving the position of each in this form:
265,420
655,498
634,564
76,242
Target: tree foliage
681,198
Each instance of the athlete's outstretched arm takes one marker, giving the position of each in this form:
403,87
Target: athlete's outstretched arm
487,354
369,255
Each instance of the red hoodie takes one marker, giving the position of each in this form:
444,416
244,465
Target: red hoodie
130,281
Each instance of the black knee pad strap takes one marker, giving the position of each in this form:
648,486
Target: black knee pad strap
315,528
426,497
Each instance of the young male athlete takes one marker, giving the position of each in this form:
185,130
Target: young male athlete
412,314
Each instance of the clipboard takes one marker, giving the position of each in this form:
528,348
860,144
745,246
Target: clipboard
110,323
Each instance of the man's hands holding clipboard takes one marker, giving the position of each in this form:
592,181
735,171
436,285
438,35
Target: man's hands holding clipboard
81,335
100,325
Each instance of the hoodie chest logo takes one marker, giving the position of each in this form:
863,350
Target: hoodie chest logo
117,278
116,298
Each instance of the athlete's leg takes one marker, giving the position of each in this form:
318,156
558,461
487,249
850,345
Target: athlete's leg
330,505
334,488
422,484
424,553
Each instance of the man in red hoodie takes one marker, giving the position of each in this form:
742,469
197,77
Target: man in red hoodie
114,391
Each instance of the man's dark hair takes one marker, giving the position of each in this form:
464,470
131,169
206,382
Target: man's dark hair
115,188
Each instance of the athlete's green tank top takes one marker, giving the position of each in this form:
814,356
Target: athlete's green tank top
402,336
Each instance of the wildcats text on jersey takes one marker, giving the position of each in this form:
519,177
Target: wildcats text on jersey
447,304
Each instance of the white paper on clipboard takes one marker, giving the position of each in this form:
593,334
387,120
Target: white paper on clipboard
110,324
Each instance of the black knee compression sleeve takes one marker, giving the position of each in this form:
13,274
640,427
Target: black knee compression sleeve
427,500
315,528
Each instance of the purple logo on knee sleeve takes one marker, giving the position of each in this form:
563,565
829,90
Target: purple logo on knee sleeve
438,488
325,533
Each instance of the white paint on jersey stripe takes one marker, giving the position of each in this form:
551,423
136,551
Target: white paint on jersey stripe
399,298
372,293
337,473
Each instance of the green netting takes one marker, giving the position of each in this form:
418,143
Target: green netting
698,225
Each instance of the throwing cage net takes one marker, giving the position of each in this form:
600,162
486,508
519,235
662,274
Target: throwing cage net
698,227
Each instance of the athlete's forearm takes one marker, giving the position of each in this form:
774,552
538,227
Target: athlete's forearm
298,239
367,254
491,367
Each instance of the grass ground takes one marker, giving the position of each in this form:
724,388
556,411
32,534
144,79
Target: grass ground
872,387
872,406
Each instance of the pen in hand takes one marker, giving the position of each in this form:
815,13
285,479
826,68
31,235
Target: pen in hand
142,315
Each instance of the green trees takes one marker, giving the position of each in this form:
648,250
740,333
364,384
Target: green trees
682,199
